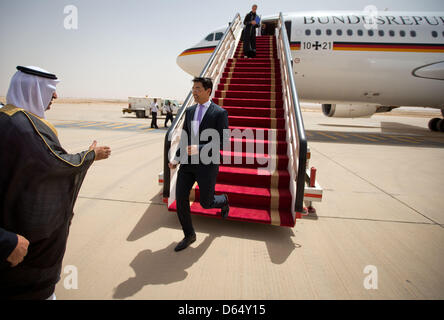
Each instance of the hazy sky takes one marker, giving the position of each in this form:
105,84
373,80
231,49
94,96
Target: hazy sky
129,47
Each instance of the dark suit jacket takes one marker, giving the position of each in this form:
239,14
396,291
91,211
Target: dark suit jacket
215,118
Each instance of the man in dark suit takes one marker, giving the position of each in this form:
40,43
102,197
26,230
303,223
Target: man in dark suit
249,33
203,116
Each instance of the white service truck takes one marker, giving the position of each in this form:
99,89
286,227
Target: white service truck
142,106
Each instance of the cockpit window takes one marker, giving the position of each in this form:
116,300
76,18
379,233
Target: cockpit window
219,36
210,37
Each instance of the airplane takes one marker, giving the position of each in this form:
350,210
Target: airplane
356,64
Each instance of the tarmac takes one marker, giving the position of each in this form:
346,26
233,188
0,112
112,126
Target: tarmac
377,234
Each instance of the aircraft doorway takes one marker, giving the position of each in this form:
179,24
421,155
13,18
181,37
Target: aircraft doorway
268,28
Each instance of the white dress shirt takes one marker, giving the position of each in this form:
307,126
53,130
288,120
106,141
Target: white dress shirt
154,107
195,123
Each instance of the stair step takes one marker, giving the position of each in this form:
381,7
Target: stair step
263,53
259,56
253,160
260,49
253,70
264,146
259,43
252,177
251,87
248,94
280,134
254,60
258,103
250,81
266,75
253,145
244,196
246,64
253,112
249,214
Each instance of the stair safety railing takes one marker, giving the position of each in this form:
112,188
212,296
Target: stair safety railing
296,139
214,70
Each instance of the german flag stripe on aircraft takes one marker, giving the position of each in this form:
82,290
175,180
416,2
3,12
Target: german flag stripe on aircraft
190,51
351,46
399,47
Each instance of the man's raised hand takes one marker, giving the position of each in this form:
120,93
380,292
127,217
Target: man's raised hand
101,152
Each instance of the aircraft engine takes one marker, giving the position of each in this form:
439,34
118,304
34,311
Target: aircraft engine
353,110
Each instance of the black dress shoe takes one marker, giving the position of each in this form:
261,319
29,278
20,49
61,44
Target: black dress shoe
185,242
225,209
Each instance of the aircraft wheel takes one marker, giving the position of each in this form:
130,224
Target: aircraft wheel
433,124
440,125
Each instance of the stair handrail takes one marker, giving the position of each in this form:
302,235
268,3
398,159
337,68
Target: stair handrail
296,134
213,69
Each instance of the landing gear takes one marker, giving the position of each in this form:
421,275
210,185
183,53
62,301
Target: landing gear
436,124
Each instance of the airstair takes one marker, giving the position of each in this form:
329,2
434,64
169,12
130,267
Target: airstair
265,165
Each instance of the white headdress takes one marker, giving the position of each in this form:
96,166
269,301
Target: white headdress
31,89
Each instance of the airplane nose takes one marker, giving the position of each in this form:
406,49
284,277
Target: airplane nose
190,63
193,60
181,61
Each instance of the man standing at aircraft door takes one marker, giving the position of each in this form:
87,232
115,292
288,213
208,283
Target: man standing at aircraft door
249,33
198,118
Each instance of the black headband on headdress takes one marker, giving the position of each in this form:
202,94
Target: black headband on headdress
37,73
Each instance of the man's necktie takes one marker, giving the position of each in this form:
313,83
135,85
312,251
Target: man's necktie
198,120
199,115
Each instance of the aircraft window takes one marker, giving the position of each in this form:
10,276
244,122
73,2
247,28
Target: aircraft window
392,33
339,32
434,34
350,32
370,33
381,33
210,37
307,32
413,33
360,33
318,32
219,36
402,33
329,32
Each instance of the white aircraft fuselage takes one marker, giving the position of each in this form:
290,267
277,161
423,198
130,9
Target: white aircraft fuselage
352,59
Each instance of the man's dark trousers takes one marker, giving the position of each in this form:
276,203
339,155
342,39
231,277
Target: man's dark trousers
169,117
154,120
205,175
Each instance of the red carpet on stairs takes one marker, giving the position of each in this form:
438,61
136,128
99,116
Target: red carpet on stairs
256,182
